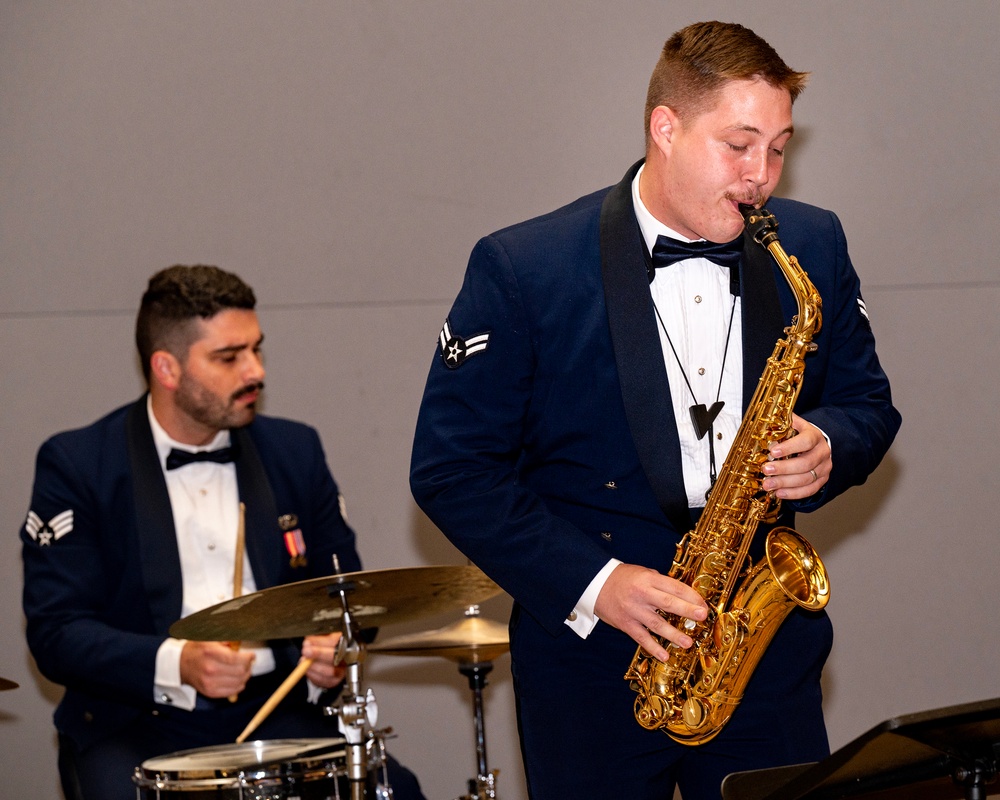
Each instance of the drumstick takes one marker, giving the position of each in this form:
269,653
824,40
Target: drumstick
238,570
238,564
277,697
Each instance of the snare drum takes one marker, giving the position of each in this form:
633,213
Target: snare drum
282,769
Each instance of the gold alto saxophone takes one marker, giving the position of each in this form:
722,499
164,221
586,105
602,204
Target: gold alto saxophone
694,694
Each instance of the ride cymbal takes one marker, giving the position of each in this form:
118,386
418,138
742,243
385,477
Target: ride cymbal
470,640
375,598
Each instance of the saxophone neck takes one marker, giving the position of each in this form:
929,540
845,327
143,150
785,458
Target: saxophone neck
763,229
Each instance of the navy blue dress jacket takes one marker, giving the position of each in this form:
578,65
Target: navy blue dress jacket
546,441
102,578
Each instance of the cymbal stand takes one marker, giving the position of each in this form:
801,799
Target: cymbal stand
483,786
383,789
357,711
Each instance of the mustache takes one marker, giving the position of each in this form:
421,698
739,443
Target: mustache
250,388
755,199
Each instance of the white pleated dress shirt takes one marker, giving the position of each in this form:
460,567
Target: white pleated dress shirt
204,498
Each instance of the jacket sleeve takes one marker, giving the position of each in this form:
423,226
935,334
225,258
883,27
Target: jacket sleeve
854,405
473,431
79,633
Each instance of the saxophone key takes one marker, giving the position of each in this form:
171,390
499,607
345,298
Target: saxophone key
694,713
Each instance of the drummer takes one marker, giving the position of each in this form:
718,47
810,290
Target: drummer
146,515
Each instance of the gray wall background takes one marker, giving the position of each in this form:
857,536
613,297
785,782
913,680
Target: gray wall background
345,156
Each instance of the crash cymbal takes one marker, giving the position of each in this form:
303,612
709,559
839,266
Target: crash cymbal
470,640
375,598
6,684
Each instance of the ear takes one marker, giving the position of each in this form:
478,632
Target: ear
165,369
663,124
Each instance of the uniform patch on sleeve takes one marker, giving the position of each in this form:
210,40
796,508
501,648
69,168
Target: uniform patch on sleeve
455,350
45,533
863,309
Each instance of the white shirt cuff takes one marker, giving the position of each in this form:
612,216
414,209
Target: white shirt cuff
167,686
582,618
314,691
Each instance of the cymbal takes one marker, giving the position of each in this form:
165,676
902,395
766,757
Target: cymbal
375,598
7,684
470,640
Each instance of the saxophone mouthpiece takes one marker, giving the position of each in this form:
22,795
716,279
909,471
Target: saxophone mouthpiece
760,224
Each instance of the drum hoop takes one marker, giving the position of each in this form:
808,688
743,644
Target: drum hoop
312,759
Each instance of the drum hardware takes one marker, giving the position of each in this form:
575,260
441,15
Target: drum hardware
473,643
357,712
483,786
347,603
383,790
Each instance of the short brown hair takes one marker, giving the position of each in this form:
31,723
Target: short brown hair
697,60
175,298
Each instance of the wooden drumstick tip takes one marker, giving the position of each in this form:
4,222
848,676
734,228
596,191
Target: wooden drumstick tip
277,697
238,569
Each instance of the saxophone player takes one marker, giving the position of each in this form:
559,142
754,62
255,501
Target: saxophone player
589,381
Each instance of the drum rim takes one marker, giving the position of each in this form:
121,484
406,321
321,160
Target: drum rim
304,759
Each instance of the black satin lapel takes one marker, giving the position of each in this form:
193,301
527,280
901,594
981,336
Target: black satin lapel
264,545
763,319
638,355
154,522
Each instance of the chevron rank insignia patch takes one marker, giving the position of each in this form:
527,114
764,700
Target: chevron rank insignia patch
455,350
45,533
863,308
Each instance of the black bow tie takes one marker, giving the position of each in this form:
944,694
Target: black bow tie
179,458
669,251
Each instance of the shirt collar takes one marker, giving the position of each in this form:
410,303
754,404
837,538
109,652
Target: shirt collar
649,225
164,443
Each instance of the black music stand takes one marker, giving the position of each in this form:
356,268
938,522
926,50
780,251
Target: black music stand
933,755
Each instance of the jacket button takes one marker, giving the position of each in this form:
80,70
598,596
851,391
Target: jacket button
88,717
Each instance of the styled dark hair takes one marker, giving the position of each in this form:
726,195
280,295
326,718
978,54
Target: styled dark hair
178,296
698,60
